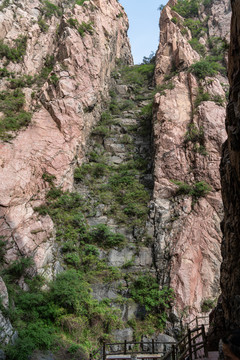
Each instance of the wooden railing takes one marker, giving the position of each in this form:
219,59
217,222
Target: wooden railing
193,345
133,348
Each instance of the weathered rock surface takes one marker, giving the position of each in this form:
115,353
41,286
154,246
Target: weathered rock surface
187,230
230,176
55,140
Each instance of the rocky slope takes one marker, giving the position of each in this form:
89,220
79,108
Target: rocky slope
228,318
188,135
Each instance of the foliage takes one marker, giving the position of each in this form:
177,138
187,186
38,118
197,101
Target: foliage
22,81
145,291
54,79
18,268
3,244
80,2
149,59
207,305
138,74
81,28
195,44
11,105
204,68
105,238
196,26
58,314
197,190
43,25
187,8
5,3
49,9
195,134
201,96
167,86
16,53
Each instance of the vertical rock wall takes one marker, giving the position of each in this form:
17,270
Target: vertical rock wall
68,108
187,228
230,175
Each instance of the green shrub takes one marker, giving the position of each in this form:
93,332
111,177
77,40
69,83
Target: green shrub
167,86
101,130
35,336
195,44
4,72
207,305
195,134
48,177
187,8
201,96
174,20
3,244
18,268
5,3
80,2
54,79
85,27
138,74
43,25
197,190
217,46
219,100
20,82
11,104
49,9
16,53
207,3
145,291
70,291
204,68
196,27
105,238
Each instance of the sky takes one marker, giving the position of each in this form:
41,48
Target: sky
143,17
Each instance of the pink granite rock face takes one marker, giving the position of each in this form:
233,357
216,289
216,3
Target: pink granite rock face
55,140
187,228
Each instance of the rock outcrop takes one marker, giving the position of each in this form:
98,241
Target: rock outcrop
188,135
230,176
71,102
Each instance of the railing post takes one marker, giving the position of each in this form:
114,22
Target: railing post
173,352
104,351
204,341
152,346
125,347
190,344
197,321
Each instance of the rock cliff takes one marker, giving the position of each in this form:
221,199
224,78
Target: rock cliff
229,301
188,135
78,46
112,207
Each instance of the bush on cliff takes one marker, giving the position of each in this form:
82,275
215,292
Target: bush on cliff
204,68
187,8
145,291
15,53
197,190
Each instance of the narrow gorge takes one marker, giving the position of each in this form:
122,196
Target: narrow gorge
110,188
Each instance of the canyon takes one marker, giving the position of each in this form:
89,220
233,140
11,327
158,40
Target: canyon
110,188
